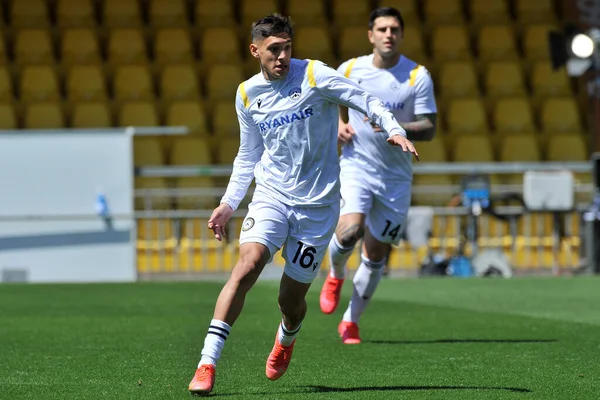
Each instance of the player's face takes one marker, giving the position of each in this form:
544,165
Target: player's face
386,36
274,54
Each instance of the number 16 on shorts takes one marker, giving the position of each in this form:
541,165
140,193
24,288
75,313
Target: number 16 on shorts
305,256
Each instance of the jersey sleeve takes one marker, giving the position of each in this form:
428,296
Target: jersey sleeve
424,93
338,89
249,154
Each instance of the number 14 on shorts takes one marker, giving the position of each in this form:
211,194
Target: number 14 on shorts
305,258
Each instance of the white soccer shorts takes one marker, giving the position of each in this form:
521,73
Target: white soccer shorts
385,203
303,233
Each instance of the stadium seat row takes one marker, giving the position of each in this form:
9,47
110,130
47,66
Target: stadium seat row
217,44
159,13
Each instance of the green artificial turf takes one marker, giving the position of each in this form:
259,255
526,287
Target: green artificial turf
523,338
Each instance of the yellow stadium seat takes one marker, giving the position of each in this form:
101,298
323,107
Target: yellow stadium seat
86,83
413,45
513,115
220,45
486,12
560,115
197,201
121,14
93,114
251,10
222,81
190,151
210,13
450,42
29,14
353,42
545,82
79,46
168,13
75,14
443,12
433,150
467,116
138,113
307,12
126,46
38,83
520,148
535,42
528,11
187,113
350,12
504,79
179,82
496,43
225,121
34,46
44,115
567,147
408,9
313,42
6,86
228,149
472,149
430,199
145,201
173,46
133,82
458,79
147,151
8,119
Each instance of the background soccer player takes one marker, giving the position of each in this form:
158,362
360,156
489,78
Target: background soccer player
288,116
376,178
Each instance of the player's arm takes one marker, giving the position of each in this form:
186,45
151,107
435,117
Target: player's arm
249,153
339,89
423,128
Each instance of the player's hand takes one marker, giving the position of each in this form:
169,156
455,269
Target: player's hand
399,140
345,133
376,128
219,219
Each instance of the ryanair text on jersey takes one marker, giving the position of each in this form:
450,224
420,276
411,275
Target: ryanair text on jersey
286,119
393,105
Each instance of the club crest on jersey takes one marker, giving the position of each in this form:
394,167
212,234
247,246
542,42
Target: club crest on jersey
295,93
248,224
285,119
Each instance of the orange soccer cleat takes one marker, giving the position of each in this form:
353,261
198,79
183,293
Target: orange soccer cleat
203,380
349,332
330,294
279,360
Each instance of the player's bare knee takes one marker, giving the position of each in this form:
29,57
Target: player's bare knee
350,236
291,305
246,271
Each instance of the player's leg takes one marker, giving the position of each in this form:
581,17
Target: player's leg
263,232
356,201
310,232
384,224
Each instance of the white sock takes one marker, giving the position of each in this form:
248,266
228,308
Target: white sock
218,331
367,277
338,257
285,336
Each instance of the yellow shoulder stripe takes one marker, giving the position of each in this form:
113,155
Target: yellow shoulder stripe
244,96
312,82
413,75
349,68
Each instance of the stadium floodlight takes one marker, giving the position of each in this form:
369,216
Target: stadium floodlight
574,49
582,45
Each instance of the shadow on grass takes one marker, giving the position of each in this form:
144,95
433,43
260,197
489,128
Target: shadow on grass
435,341
331,389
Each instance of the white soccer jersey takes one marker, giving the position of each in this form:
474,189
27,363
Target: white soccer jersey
288,134
407,90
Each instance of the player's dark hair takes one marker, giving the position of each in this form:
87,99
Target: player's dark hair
272,25
385,12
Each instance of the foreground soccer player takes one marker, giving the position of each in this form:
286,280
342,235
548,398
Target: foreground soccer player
288,125
376,178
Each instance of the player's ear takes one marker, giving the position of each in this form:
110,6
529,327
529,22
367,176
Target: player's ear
254,50
370,35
